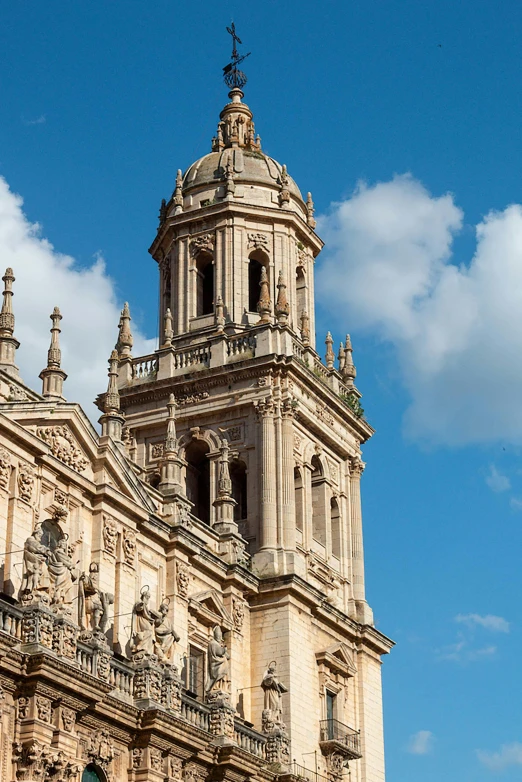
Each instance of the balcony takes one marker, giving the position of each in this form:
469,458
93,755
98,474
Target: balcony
339,738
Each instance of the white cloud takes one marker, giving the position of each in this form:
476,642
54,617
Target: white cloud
41,120
515,503
496,624
420,743
508,755
457,329
86,297
462,652
496,481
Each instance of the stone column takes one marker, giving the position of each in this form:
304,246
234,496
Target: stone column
288,493
268,526
364,613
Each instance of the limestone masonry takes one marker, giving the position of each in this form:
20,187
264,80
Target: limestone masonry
183,596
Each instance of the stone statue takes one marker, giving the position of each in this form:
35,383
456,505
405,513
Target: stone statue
62,574
165,635
143,625
218,663
93,604
35,574
273,705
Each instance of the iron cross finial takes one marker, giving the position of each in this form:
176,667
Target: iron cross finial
235,39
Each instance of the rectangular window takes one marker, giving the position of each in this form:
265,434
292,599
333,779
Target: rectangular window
194,673
330,714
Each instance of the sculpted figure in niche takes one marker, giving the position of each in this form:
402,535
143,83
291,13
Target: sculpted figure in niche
218,663
273,705
165,635
62,574
93,604
143,619
35,573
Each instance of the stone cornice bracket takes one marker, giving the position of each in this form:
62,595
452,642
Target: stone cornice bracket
125,340
8,343
53,376
112,420
202,243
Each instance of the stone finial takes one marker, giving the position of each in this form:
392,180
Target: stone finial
230,185
168,332
224,481
310,211
178,193
282,308
348,372
220,315
125,341
8,343
112,420
305,328
264,305
284,192
171,443
53,376
341,358
330,355
162,212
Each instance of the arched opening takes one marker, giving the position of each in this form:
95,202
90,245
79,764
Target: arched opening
238,476
155,479
299,499
92,774
205,284
198,479
318,502
51,534
335,521
256,261
300,285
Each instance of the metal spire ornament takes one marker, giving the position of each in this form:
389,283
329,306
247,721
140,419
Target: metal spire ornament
234,78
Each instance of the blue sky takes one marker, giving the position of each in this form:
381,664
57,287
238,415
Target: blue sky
102,102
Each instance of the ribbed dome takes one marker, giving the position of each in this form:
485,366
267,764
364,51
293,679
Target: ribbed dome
253,168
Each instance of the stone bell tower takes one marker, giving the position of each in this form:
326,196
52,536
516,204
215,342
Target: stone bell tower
250,444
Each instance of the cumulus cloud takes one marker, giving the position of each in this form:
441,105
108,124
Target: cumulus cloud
456,329
420,743
86,297
41,120
496,624
463,652
508,755
496,481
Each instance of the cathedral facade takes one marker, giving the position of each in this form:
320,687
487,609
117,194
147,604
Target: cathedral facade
183,595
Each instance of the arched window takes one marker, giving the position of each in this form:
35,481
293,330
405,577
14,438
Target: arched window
198,479
300,285
205,284
335,521
257,260
238,476
92,774
299,499
318,502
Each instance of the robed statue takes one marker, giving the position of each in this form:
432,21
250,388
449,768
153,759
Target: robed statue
143,625
35,576
165,637
218,678
273,689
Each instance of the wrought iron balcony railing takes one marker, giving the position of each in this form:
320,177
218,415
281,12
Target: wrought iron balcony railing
333,730
306,773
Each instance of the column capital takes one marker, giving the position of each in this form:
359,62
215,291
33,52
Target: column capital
265,407
357,466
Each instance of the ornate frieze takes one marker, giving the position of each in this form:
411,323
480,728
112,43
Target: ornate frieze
5,468
258,240
26,481
63,446
100,749
238,612
110,535
202,243
182,579
129,547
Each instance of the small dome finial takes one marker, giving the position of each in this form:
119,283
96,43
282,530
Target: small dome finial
53,376
234,78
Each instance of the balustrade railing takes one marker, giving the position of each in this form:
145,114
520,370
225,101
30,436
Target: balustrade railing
249,739
11,620
245,343
333,730
195,713
189,357
145,368
120,678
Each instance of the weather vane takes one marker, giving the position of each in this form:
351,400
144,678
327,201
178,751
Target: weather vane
232,75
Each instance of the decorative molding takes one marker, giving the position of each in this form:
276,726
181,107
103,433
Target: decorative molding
202,243
63,446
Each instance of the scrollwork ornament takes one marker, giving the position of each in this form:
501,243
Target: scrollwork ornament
26,480
110,535
5,468
129,547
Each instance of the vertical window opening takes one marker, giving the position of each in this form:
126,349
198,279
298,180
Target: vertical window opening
198,479
205,284
335,520
238,476
318,504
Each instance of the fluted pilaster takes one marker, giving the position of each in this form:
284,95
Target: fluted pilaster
268,531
